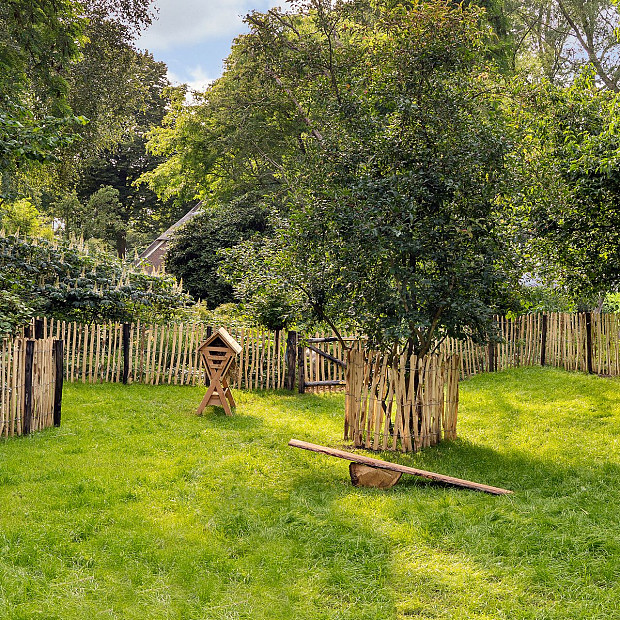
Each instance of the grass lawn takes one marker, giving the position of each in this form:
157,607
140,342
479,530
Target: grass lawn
137,509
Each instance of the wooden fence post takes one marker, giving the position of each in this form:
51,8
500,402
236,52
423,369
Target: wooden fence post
38,329
492,358
301,359
291,361
58,380
126,336
543,340
589,341
27,414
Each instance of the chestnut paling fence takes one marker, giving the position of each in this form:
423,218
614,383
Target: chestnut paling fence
585,342
400,402
168,354
392,403
30,385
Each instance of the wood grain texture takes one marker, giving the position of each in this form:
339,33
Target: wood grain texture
366,476
403,469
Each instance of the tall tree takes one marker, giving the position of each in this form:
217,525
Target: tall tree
38,41
381,128
140,215
54,57
570,223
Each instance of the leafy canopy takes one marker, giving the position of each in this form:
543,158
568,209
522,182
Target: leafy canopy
375,132
568,210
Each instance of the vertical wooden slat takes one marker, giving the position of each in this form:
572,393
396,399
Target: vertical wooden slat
301,379
58,380
96,370
291,360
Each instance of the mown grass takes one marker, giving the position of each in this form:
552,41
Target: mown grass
136,508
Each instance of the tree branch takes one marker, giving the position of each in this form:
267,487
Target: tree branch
592,57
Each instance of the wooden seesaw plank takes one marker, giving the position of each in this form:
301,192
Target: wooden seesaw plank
403,469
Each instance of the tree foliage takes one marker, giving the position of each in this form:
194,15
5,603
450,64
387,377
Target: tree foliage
567,214
374,131
140,216
38,41
70,78
557,39
194,256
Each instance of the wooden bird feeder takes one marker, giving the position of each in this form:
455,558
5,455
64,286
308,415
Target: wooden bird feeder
217,353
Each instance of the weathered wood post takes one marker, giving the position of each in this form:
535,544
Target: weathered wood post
301,359
27,413
291,360
492,357
58,380
589,341
543,340
126,336
38,329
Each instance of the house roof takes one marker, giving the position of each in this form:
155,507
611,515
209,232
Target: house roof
154,254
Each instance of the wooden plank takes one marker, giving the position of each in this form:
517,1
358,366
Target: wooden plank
327,356
323,383
429,475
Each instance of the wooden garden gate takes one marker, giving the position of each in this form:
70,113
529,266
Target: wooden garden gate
321,363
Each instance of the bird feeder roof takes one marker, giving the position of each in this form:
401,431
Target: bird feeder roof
222,338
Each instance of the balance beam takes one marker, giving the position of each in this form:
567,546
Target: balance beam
358,474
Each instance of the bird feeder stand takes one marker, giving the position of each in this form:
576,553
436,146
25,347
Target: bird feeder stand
217,353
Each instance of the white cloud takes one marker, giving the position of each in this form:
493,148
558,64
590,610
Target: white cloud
186,22
199,80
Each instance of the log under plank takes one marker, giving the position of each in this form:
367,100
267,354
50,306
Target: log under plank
403,469
366,476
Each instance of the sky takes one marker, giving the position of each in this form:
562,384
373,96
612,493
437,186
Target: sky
194,36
